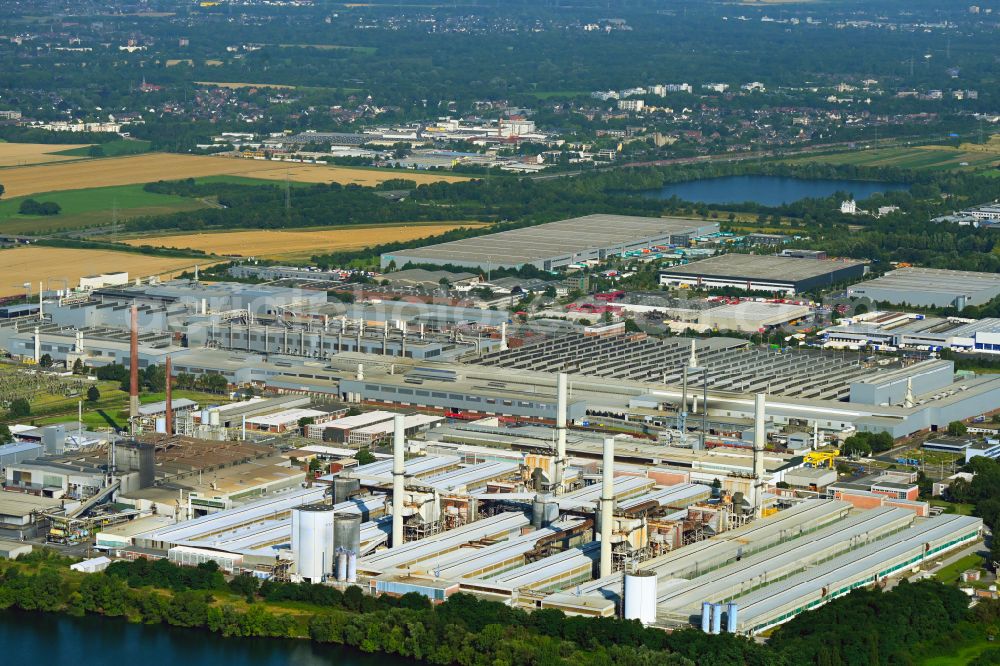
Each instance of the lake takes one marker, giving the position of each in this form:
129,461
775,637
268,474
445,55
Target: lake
767,190
52,638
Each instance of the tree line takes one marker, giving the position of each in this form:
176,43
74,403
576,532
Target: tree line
866,626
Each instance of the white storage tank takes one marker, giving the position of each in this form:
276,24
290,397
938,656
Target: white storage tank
161,424
640,596
312,541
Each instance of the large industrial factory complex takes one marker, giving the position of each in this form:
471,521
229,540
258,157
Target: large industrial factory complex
433,447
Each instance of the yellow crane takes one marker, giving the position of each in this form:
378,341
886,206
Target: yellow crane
822,458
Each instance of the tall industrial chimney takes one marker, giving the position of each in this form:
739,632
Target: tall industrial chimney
503,336
562,400
759,443
41,296
38,346
607,504
133,393
398,490
170,403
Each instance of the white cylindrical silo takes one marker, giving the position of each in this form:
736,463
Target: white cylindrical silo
341,564
312,541
706,617
716,618
214,417
161,424
205,417
352,567
640,596
732,617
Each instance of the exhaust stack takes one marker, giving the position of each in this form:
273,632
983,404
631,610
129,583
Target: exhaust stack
759,442
398,471
170,403
607,504
562,398
133,393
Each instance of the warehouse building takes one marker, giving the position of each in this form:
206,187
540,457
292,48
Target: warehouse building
755,272
773,604
751,316
930,287
557,244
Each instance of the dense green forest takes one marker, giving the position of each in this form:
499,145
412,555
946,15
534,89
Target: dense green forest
867,626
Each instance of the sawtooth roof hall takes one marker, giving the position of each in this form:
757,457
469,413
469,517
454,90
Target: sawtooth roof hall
556,244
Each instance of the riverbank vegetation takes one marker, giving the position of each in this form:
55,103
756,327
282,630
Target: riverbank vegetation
867,626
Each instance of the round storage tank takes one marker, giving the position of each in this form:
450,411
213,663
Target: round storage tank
347,532
161,424
640,596
312,541
344,487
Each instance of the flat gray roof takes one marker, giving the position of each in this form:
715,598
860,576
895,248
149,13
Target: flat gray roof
762,266
935,281
555,239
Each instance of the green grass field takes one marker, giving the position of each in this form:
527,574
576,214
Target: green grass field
111,149
112,408
934,158
930,457
950,573
953,507
90,207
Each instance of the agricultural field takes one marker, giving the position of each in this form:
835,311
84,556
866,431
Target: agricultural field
936,158
297,243
90,207
18,154
56,264
149,167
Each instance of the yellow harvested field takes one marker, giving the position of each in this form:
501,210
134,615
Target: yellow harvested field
287,244
55,264
14,154
150,167
237,86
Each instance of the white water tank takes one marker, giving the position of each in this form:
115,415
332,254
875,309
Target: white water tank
161,424
640,596
312,541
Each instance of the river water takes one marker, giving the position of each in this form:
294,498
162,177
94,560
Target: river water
767,190
52,638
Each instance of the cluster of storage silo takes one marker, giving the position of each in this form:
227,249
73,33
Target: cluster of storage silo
711,617
325,544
